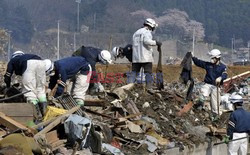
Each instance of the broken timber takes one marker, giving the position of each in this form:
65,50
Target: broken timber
229,82
11,124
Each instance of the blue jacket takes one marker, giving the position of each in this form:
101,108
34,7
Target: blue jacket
90,54
213,71
18,65
239,122
65,69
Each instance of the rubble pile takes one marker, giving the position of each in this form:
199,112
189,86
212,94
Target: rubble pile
125,119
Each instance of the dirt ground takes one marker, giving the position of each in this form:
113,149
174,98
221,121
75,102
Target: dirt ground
172,72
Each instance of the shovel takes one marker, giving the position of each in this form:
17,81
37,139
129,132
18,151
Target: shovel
231,140
159,74
218,100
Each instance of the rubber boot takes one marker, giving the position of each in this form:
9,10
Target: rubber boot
43,107
38,112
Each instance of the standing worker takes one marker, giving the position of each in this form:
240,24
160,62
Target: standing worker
94,55
215,75
121,52
76,69
33,71
143,51
238,128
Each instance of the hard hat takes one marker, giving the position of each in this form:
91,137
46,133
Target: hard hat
215,53
105,57
115,52
16,54
236,99
150,22
49,66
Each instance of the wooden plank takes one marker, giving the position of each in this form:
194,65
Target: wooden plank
58,120
52,136
16,109
20,112
10,123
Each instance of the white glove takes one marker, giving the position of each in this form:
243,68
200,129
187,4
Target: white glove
218,80
100,87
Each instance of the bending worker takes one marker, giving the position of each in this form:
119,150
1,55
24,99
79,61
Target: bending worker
92,56
215,74
76,69
142,56
33,71
238,128
121,52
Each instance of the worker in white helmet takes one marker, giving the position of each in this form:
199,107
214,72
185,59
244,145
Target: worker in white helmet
216,73
121,52
238,127
143,51
94,55
33,71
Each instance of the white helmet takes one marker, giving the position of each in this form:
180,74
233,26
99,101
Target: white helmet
236,99
150,22
16,54
215,53
105,57
115,52
49,66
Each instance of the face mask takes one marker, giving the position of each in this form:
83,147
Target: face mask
213,60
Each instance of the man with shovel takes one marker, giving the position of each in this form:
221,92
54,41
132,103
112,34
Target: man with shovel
238,128
142,55
215,74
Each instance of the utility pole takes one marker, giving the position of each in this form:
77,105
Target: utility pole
193,40
8,56
58,39
74,41
232,48
248,46
94,20
78,10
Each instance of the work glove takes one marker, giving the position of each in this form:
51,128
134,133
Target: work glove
218,81
158,43
100,87
226,139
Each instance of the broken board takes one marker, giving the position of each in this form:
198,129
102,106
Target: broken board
20,112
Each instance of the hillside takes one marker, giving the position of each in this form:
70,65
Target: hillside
221,19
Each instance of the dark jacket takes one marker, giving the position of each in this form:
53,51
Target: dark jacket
239,122
213,71
127,52
18,65
65,69
90,54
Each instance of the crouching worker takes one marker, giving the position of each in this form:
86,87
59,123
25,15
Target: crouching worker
33,71
238,128
76,69
94,55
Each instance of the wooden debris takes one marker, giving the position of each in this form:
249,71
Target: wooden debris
120,92
11,124
58,120
185,109
22,115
